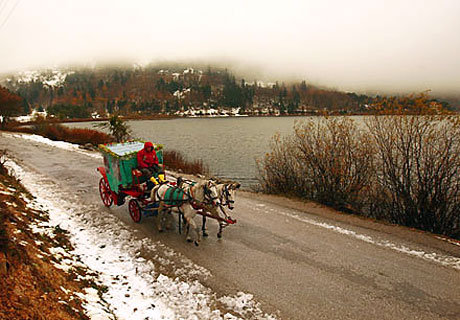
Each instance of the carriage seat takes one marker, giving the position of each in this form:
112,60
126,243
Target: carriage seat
136,172
138,177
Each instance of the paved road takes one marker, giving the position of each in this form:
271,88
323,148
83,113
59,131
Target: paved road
301,261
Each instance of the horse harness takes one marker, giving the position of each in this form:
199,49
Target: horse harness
226,196
176,196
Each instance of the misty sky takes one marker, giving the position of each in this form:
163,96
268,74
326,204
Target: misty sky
363,45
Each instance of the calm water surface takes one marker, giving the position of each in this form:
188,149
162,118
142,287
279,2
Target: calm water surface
229,146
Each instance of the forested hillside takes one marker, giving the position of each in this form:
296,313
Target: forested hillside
168,90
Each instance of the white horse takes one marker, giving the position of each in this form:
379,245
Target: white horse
185,198
227,194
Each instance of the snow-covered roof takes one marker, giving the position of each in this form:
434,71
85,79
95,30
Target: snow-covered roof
122,149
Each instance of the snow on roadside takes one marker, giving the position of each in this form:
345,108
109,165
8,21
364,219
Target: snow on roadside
133,287
445,260
58,144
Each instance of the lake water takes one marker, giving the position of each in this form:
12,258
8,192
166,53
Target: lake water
229,146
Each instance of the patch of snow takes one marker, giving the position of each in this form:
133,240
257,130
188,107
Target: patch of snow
244,304
11,204
57,144
451,241
93,306
49,79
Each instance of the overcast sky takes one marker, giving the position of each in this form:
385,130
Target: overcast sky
364,45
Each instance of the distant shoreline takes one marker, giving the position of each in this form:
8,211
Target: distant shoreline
171,117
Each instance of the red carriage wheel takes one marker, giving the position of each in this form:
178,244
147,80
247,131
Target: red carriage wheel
134,210
105,192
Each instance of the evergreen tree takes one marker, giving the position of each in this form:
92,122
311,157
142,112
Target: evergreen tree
117,127
303,86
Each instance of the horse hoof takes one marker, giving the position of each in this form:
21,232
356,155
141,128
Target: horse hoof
219,235
189,240
205,234
160,230
196,243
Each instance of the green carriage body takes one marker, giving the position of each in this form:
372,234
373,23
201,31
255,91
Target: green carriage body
120,159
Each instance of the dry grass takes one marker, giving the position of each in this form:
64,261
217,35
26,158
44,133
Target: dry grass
174,160
61,133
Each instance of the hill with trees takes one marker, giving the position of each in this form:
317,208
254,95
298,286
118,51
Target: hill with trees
170,90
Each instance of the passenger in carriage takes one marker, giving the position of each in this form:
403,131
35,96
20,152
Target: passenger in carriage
147,162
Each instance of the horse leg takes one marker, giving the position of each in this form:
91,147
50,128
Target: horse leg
221,227
169,219
187,232
189,214
203,227
197,232
180,218
160,217
186,225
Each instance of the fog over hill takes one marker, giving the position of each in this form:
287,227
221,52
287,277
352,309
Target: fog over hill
361,46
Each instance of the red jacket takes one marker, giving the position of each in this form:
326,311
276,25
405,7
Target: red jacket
146,159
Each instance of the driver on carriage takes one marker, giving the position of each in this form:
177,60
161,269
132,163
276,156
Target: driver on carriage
147,162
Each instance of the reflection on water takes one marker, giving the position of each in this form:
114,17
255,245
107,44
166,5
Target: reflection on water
228,146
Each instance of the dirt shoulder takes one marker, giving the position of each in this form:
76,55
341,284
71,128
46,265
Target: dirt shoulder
33,287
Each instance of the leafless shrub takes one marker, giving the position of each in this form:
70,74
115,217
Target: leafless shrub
326,159
418,169
280,170
336,158
402,168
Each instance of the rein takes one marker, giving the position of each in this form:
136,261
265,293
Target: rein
208,198
226,195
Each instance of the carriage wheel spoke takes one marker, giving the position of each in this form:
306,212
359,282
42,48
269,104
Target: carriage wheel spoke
105,193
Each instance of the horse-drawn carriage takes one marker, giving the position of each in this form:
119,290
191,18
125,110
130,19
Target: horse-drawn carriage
122,180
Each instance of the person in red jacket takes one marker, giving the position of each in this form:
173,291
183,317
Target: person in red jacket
147,162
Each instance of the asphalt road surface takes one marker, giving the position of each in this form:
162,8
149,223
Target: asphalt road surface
299,260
